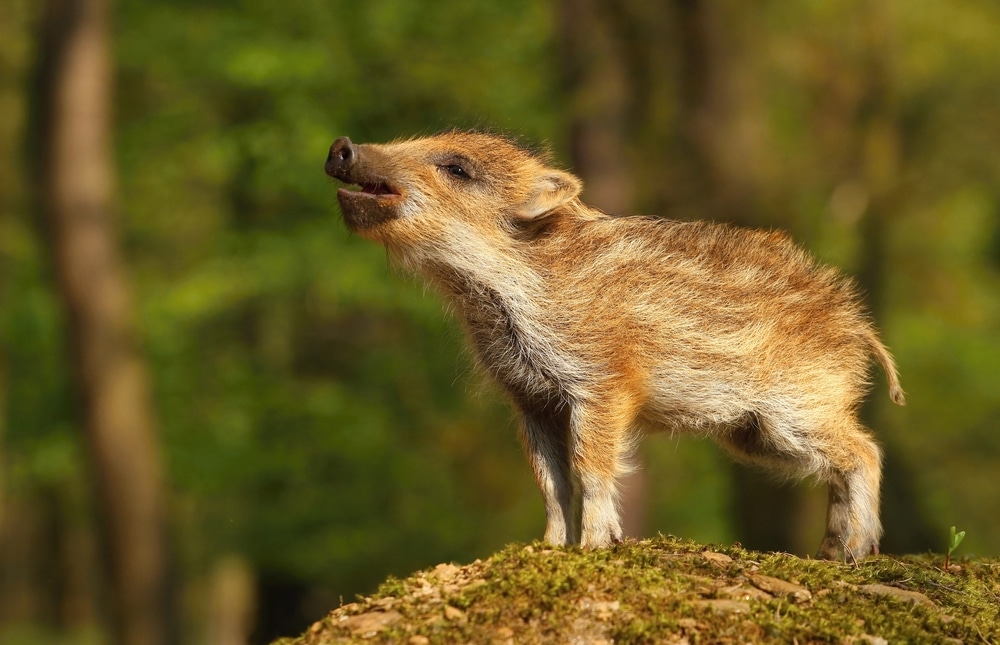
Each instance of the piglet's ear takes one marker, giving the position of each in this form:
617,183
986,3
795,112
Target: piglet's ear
550,191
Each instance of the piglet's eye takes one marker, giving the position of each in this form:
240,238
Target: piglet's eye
456,171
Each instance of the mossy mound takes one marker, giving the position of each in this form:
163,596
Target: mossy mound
666,590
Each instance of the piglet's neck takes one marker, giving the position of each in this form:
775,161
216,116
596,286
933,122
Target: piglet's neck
464,262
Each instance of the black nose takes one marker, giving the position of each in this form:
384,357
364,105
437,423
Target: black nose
342,156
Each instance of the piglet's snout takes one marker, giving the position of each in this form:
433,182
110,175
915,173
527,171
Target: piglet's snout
343,155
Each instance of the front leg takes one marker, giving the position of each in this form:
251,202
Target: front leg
601,443
545,436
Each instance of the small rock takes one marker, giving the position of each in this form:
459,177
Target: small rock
427,591
720,559
904,595
604,610
779,587
419,640
454,613
742,592
505,632
868,639
586,632
370,623
446,572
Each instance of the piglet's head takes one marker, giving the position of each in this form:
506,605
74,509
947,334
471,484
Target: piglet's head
418,191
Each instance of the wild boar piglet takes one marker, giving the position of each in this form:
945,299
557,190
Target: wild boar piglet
600,328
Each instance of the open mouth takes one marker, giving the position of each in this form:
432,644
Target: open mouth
373,203
375,189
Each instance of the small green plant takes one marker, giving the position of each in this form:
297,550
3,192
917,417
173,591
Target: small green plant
953,542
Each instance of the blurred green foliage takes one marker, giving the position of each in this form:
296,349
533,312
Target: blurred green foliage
313,404
318,412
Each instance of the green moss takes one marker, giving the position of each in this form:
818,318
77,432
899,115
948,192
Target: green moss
664,590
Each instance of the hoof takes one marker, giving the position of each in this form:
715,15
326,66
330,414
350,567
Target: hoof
836,549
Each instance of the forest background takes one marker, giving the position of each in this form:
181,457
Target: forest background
311,421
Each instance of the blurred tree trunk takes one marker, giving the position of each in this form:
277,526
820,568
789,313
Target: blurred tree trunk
232,598
76,184
720,118
597,83
719,129
908,530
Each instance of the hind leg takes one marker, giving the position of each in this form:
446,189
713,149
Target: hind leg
853,528
844,456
